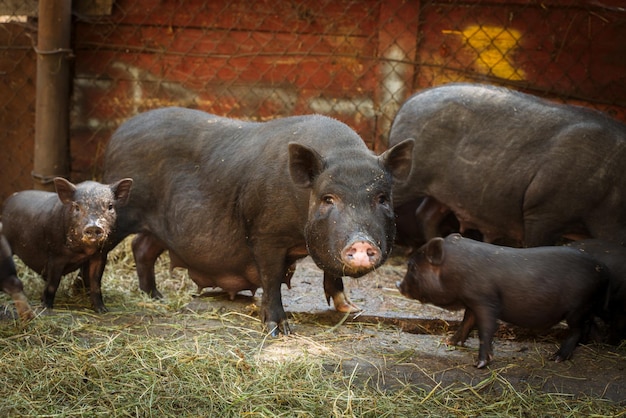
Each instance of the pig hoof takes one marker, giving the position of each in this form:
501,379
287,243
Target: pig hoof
451,342
343,304
101,309
23,308
347,307
25,313
26,316
46,311
275,329
481,363
558,357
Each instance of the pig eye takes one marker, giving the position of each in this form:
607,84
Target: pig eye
328,199
383,199
75,208
110,206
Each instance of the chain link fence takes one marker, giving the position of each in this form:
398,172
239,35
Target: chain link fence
355,60
17,103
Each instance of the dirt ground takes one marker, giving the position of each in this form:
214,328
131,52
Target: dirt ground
395,341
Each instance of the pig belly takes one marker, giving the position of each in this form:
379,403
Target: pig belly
230,281
532,316
491,231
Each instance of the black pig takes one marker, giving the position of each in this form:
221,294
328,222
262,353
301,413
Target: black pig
513,166
614,257
532,287
237,203
9,283
57,233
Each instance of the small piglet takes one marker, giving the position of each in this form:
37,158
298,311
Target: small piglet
531,287
57,233
613,256
9,283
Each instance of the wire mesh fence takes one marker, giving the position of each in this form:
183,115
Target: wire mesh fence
355,60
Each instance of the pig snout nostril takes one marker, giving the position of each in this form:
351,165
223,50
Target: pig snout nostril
93,232
361,254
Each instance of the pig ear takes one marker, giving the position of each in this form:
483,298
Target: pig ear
64,189
399,159
121,190
304,164
434,251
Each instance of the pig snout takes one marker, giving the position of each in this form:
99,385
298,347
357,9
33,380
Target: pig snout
94,232
361,254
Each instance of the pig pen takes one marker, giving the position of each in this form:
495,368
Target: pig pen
390,357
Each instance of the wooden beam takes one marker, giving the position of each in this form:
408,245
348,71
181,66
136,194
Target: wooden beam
31,7
52,100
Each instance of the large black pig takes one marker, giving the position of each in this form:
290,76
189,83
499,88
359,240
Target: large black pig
9,283
614,257
513,166
237,203
529,287
57,233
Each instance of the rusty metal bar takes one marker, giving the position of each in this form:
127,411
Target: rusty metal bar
52,155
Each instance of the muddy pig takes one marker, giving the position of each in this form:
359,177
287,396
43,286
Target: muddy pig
513,166
9,283
529,287
238,203
57,233
614,258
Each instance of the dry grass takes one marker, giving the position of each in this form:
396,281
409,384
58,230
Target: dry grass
159,359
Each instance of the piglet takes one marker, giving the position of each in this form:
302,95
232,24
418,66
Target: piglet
9,283
57,233
530,287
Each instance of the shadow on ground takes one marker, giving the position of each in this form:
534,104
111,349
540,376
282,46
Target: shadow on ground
395,341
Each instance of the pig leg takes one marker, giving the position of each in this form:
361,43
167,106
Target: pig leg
578,325
272,311
617,327
273,271
52,275
430,213
95,269
568,345
146,250
460,336
14,288
83,283
486,318
333,288
22,306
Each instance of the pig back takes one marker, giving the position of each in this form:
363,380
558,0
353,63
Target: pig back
470,135
33,225
492,155
197,174
534,287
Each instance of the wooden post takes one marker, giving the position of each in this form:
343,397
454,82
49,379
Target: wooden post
51,157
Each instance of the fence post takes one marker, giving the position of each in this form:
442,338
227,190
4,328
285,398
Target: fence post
397,46
51,156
